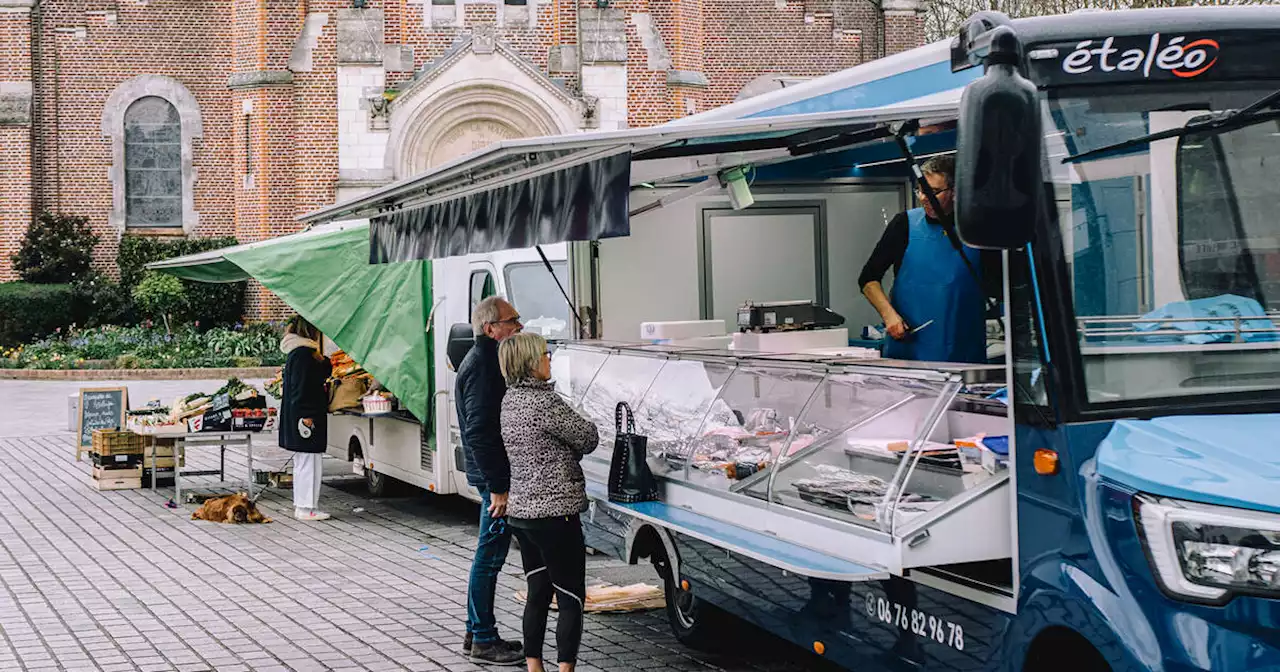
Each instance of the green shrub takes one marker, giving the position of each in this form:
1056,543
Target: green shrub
30,311
56,249
210,304
160,295
105,301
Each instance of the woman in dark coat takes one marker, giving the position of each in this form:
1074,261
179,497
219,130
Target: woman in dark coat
304,411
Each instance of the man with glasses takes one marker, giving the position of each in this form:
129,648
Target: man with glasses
936,311
478,393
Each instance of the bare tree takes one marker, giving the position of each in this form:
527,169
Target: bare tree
944,18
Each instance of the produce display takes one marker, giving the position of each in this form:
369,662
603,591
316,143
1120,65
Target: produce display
352,388
236,406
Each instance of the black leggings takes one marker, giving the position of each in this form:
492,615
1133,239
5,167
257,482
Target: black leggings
555,563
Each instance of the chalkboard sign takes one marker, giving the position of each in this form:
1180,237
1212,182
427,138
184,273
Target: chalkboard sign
101,408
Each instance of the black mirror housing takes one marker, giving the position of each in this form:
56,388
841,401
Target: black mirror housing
461,339
999,174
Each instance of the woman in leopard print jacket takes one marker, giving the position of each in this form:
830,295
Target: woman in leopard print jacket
545,441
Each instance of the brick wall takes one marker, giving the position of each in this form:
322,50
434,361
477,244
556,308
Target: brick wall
85,55
294,138
903,31
15,135
747,38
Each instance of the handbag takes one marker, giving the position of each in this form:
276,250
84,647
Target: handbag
630,479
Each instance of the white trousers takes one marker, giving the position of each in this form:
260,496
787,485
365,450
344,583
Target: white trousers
306,480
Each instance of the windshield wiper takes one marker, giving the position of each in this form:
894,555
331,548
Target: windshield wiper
1227,121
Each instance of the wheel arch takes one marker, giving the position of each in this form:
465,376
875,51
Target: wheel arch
644,539
1057,645
358,444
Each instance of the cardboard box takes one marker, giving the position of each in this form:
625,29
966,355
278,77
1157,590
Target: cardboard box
211,421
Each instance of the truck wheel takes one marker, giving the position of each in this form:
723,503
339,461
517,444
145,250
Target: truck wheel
694,621
377,483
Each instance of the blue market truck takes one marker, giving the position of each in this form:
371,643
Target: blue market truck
1103,493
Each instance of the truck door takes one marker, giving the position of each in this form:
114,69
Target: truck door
481,284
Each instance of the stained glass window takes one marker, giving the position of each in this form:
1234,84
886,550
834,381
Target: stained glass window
153,163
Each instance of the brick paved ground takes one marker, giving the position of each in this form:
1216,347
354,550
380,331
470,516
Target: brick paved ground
116,581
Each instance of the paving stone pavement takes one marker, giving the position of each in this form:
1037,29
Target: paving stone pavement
116,581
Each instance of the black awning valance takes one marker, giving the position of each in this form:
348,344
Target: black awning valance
583,202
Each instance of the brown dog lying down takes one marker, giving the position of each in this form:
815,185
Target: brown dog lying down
235,508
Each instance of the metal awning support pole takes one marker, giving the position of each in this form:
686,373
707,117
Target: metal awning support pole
709,184
572,308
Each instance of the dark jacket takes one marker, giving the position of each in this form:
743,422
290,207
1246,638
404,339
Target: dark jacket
304,397
478,394
545,441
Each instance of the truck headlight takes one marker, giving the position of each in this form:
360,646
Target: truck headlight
1209,553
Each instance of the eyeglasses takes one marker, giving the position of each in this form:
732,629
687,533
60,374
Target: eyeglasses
509,320
936,192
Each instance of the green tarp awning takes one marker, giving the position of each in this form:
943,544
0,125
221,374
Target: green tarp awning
375,313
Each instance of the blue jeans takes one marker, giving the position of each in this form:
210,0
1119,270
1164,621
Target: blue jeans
491,554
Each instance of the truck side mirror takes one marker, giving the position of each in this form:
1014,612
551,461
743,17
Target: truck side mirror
999,177
461,338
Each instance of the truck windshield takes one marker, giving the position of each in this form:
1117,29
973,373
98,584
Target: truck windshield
535,295
1172,246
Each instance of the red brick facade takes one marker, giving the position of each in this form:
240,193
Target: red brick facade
266,94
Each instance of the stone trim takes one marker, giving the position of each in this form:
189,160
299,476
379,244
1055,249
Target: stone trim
300,59
138,374
256,79
465,45
356,177
686,78
890,7
16,6
113,111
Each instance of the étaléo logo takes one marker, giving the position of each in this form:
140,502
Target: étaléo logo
1176,56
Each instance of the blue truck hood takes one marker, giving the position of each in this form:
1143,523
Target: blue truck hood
1229,460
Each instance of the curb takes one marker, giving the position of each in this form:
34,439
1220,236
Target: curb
138,374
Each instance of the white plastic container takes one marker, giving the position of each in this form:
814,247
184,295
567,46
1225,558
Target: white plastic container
664,332
791,341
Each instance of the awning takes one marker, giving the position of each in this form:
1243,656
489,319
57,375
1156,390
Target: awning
518,193
375,313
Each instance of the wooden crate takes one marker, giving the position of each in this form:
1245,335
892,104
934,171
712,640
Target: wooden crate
163,461
100,473
117,479
112,442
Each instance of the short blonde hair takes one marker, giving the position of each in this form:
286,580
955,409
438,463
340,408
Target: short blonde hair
519,356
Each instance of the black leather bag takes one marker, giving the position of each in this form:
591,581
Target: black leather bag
630,479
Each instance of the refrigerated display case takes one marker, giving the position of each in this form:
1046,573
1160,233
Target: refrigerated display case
886,463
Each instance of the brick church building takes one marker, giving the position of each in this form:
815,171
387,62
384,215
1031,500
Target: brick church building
231,117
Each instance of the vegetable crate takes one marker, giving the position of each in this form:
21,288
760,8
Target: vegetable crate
114,442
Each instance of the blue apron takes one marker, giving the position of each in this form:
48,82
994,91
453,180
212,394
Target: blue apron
933,283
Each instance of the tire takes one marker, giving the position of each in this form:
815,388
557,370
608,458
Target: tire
695,622
379,484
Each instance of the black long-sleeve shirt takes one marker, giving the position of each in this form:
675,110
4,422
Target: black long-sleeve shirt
892,246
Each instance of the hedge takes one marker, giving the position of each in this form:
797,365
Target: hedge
29,312
211,304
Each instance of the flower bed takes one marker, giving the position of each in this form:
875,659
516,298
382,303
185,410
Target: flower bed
149,347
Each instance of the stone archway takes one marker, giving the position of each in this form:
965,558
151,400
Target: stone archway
468,119
476,95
